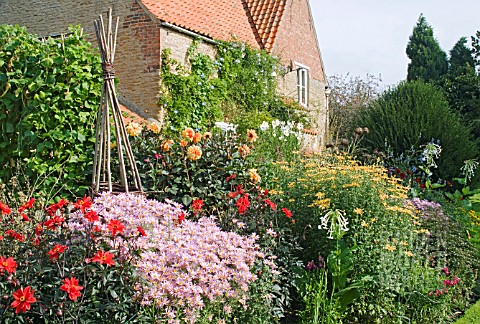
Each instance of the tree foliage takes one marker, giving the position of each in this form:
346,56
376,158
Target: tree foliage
462,85
49,92
414,113
428,60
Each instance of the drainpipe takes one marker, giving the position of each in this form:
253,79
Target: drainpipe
328,91
189,33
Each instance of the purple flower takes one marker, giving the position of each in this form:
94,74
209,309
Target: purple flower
311,266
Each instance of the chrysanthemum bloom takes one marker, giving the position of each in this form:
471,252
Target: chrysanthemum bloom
287,212
7,264
5,209
194,152
254,176
197,137
154,127
207,135
166,145
134,129
70,285
83,204
188,133
183,143
115,227
103,258
23,298
244,150
55,252
252,135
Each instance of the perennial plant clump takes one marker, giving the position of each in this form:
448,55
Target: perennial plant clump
184,266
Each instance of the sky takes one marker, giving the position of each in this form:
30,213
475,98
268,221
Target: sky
360,37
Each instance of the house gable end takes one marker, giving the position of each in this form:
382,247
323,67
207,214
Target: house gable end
296,39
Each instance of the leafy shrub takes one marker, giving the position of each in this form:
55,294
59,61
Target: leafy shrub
50,90
412,114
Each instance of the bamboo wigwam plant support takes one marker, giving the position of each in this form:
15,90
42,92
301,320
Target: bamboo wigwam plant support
110,107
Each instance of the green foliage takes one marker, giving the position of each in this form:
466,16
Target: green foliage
238,85
461,58
413,114
428,60
462,85
191,98
472,315
49,90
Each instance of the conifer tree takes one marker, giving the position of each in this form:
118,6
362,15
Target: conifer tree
428,60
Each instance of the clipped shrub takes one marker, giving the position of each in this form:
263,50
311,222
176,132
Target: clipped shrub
472,315
413,114
49,92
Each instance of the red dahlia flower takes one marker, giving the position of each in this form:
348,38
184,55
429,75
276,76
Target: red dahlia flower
5,209
287,212
27,205
7,264
70,285
115,227
52,209
91,216
103,258
55,252
197,204
52,224
270,203
243,203
84,203
141,231
23,298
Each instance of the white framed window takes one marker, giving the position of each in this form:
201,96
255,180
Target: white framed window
302,83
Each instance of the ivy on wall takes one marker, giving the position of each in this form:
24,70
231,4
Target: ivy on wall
239,85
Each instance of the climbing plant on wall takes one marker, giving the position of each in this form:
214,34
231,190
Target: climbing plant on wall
49,92
238,84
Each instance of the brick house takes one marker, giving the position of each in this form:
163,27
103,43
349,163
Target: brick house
284,28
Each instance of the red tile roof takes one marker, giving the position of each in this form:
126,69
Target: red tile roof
266,16
218,19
